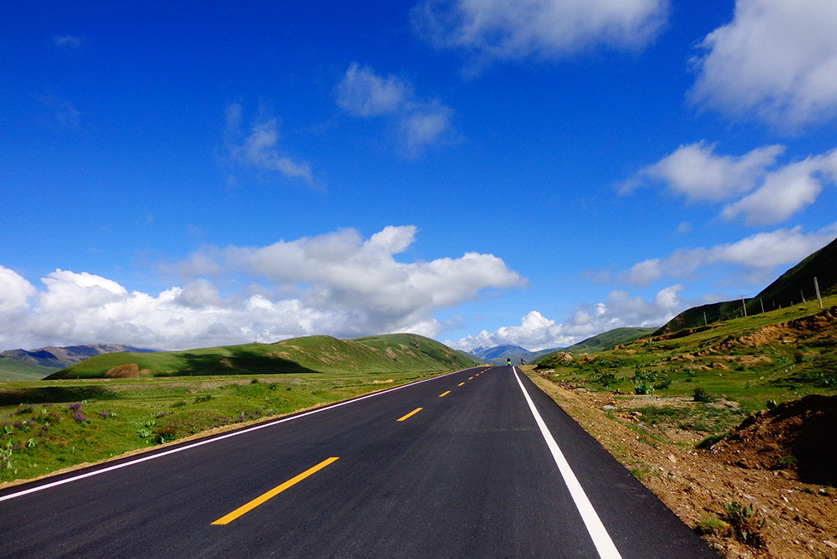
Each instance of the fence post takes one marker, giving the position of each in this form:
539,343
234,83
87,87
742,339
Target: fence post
817,289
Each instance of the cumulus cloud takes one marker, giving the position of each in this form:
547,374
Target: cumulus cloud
537,332
544,29
698,173
776,61
764,194
15,290
338,283
757,256
786,191
258,146
363,93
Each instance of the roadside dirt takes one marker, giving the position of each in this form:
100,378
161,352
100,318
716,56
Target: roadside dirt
800,517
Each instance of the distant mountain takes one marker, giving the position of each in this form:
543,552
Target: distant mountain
60,357
789,289
497,355
499,352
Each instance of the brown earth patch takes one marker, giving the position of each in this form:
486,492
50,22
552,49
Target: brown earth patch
697,485
126,370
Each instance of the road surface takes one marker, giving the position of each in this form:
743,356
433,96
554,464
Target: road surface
474,464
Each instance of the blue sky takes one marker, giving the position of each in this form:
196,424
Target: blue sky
184,174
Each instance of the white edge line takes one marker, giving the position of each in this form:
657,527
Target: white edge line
211,440
601,539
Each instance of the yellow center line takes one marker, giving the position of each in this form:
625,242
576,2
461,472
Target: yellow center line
273,492
411,414
470,378
460,384
443,394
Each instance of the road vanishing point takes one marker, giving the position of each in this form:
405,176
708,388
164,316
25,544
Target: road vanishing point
474,464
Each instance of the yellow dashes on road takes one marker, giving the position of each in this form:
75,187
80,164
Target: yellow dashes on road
461,384
411,414
273,492
443,394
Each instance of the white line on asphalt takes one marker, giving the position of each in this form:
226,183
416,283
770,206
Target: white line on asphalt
208,441
601,539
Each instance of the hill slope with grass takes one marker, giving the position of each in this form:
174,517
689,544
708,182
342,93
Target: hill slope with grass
793,287
609,340
313,354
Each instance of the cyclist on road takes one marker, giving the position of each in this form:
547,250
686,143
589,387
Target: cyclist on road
508,362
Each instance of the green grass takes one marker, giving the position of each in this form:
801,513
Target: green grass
15,369
714,361
57,424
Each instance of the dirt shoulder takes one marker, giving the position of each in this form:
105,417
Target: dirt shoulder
705,488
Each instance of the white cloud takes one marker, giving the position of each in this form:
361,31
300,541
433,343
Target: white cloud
786,191
776,61
70,41
363,93
698,173
15,291
757,256
337,283
763,193
537,332
258,148
544,29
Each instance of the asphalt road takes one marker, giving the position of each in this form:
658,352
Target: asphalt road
458,466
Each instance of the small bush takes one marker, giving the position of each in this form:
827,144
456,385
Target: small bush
643,388
746,522
606,379
701,395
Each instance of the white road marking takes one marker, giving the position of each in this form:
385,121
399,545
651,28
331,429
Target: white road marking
156,455
601,539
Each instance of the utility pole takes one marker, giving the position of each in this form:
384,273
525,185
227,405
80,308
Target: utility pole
762,305
744,306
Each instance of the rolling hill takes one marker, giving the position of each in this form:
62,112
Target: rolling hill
312,354
789,289
35,364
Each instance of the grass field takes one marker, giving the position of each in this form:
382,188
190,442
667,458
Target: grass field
69,422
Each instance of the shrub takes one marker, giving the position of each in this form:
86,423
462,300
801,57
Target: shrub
643,388
606,379
701,395
746,522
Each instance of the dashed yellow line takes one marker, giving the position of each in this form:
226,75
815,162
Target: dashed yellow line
460,384
273,492
411,414
443,394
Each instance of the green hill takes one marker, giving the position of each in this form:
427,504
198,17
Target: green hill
313,354
14,369
789,289
609,340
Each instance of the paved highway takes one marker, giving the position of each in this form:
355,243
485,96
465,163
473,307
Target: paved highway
478,463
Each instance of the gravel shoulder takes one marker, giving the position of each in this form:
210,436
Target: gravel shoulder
787,518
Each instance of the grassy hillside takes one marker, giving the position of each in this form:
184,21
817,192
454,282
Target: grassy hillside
14,369
789,289
609,340
775,356
324,354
